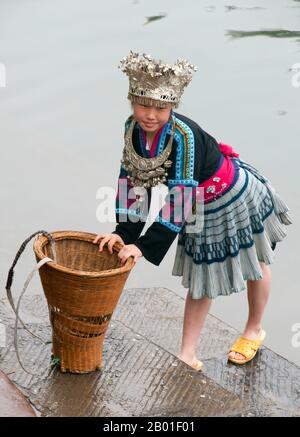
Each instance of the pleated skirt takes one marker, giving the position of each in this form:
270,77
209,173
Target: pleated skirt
240,230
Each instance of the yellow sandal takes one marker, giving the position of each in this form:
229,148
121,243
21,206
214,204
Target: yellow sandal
246,347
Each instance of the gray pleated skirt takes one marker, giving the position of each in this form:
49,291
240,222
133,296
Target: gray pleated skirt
240,230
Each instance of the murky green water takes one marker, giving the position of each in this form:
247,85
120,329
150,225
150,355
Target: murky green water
64,105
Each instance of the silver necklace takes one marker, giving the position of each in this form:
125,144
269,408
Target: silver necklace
146,172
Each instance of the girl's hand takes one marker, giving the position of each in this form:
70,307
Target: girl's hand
129,250
110,239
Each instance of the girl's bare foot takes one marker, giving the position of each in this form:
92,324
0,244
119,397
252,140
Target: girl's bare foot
191,361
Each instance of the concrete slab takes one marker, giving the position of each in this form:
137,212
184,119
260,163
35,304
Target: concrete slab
141,375
269,382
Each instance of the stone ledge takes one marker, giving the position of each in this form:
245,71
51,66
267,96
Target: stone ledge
141,375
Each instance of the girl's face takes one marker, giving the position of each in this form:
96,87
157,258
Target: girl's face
151,118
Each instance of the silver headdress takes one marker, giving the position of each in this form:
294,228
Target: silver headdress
150,79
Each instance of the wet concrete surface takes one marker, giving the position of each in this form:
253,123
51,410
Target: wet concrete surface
141,375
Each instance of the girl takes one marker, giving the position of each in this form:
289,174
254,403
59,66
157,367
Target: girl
242,216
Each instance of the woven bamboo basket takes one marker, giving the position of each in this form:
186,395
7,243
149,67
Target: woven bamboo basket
82,288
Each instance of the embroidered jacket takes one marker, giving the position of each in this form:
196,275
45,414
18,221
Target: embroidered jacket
195,157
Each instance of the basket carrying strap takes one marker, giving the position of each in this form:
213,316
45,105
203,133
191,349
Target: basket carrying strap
10,281
29,277
18,254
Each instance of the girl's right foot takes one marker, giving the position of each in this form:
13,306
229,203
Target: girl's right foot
192,362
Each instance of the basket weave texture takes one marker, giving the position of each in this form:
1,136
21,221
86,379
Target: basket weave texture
82,288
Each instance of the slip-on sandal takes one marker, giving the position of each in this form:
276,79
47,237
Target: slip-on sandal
246,347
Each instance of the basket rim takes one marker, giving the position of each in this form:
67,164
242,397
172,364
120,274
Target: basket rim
41,240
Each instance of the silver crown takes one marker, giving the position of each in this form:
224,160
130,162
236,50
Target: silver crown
154,80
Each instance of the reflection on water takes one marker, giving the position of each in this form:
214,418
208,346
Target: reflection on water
233,8
210,8
155,17
273,33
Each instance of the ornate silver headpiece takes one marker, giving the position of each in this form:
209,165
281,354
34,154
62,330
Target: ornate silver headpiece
150,79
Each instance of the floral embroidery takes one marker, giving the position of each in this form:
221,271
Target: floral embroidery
211,189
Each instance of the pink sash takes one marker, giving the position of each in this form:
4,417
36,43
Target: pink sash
218,183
